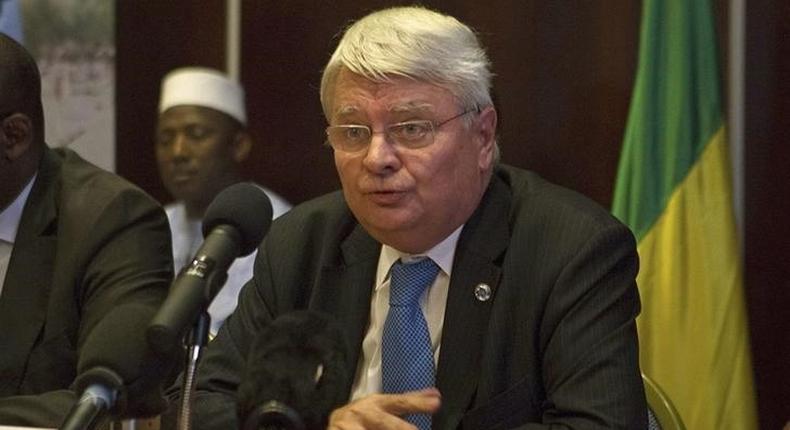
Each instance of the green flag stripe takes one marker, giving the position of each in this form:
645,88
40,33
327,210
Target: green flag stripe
675,108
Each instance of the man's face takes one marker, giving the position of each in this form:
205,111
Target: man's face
198,151
411,199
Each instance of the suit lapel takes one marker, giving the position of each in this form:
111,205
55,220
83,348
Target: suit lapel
483,240
345,289
23,304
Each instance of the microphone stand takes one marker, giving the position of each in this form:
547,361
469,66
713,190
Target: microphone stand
195,341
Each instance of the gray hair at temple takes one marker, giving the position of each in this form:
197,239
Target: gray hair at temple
417,43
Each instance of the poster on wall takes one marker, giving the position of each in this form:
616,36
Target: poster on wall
74,46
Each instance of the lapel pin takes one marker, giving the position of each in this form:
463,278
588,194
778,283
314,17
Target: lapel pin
482,292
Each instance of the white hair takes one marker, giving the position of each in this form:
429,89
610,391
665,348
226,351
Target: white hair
416,43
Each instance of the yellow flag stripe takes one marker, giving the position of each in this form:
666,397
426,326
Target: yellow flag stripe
690,283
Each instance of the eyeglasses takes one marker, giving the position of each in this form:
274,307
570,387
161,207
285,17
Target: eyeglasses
408,134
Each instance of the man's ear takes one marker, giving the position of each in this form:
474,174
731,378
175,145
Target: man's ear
242,145
17,130
486,133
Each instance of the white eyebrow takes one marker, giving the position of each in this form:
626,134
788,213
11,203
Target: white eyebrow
346,110
411,106
408,107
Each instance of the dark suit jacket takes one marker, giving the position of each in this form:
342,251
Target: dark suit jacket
556,343
87,242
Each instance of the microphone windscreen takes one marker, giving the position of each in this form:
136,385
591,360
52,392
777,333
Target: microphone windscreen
117,347
299,361
244,206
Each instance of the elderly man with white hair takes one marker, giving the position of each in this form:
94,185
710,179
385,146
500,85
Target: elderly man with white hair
471,294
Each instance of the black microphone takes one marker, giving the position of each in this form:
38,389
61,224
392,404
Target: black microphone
295,374
234,224
118,375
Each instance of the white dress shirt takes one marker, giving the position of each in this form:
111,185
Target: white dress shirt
433,303
10,218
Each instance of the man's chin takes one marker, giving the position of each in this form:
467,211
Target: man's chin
390,225
187,194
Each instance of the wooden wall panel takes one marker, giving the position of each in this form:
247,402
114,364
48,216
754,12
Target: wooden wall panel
153,37
767,204
563,82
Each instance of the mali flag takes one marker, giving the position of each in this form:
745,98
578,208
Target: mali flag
674,190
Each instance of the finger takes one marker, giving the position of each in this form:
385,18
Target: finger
430,391
423,401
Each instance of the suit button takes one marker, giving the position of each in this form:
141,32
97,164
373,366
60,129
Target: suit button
482,292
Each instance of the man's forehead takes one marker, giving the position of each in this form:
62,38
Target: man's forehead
398,93
191,114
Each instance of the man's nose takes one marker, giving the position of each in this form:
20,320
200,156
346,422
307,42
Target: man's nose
180,148
381,153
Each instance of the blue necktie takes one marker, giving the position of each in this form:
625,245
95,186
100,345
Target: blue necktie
406,356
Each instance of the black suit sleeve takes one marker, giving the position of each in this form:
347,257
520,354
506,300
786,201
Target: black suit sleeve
590,358
586,347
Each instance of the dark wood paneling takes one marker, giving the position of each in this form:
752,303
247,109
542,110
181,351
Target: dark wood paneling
153,37
767,205
563,82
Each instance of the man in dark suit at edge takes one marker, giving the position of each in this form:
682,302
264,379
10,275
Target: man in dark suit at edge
76,242
531,317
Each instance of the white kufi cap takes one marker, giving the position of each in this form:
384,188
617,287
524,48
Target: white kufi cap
200,86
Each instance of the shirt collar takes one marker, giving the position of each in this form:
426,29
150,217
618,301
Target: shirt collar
443,254
12,215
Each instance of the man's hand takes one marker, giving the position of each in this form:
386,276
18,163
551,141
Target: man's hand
384,411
